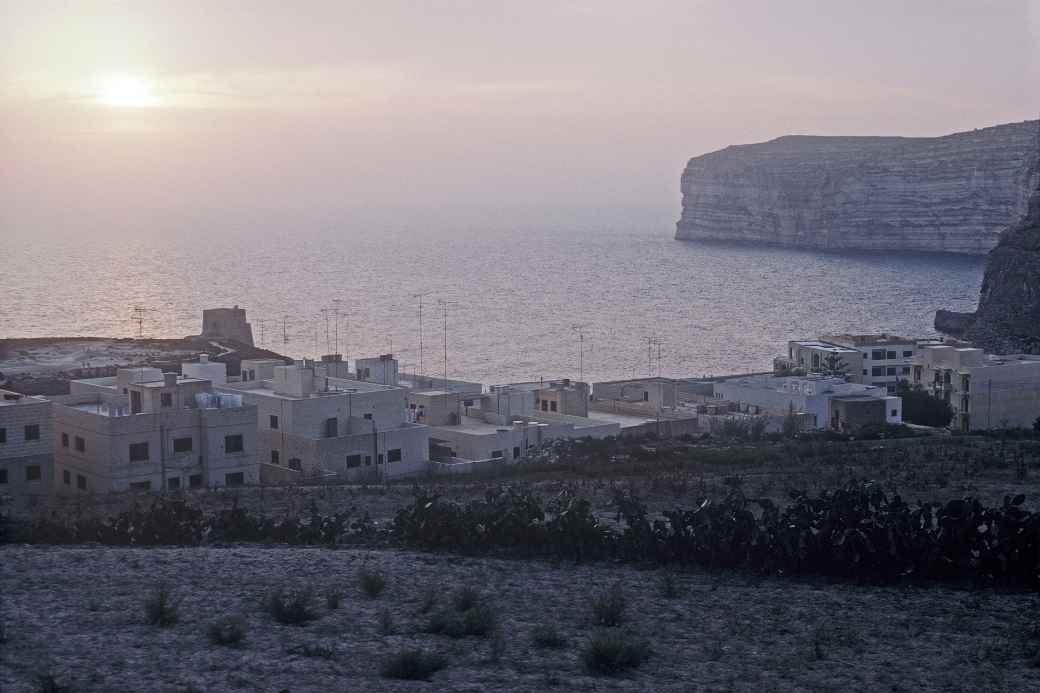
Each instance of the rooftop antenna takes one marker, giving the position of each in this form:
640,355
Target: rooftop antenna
335,308
580,329
138,316
444,307
328,343
420,297
285,334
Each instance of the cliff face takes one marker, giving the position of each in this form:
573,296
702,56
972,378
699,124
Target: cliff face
1008,318
951,194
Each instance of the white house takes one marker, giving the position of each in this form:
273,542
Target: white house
26,445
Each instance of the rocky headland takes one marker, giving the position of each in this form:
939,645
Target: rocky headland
1008,317
955,193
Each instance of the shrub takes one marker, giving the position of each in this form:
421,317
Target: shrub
465,598
614,652
160,609
227,630
386,622
290,608
332,599
48,683
372,583
547,637
479,620
413,665
670,588
314,649
608,608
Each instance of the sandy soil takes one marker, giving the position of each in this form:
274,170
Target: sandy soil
78,613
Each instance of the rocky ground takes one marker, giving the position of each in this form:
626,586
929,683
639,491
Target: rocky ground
78,614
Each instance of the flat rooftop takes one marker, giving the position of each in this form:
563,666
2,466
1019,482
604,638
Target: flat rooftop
817,344
470,426
866,340
263,388
14,399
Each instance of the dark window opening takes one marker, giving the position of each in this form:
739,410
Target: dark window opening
516,452
195,481
141,486
173,483
552,406
233,443
235,479
275,457
496,454
878,354
3,435
892,355
368,460
274,421
32,432
182,445
368,416
294,463
64,440
907,354
138,452
166,399
331,428
393,455
3,476
353,461
81,482
81,445
66,477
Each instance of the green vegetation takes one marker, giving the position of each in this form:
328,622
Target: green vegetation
227,630
372,584
608,608
290,607
160,609
923,409
413,665
547,637
466,617
613,652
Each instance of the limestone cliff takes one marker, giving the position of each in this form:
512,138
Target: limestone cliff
950,194
1008,318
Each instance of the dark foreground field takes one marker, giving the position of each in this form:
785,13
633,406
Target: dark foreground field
78,614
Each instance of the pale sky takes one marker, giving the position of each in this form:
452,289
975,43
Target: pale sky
113,114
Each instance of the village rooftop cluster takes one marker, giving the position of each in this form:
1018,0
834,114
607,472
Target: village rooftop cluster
314,421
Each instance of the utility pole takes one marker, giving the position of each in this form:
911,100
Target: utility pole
444,307
420,297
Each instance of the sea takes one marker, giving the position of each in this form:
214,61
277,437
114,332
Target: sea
499,305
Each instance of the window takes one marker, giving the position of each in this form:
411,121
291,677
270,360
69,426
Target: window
393,455
181,445
66,476
273,421
646,396
878,354
81,445
552,406
877,371
890,388
32,472
891,370
166,399
275,457
233,443
3,435
545,405
895,412
815,361
81,482
908,353
135,402
379,458
64,440
195,481
353,461
138,452
331,427
516,452
905,370
235,479
173,483
864,371
496,454
141,486
368,460
294,463
3,476
368,416
892,355
32,432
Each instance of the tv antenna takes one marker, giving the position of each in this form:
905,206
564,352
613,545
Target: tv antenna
444,308
420,297
138,315
285,333
580,329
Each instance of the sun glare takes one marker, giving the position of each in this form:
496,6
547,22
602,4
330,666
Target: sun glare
126,91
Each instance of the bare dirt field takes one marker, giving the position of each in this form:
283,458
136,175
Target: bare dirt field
78,614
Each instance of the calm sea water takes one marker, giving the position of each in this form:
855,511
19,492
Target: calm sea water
515,296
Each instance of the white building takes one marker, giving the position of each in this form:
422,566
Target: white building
313,426
984,391
823,398
26,445
147,430
204,369
881,359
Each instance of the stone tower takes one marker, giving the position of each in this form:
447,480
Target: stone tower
226,323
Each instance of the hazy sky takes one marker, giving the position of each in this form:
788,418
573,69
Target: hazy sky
138,113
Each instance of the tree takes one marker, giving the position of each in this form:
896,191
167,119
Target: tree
920,407
1036,425
834,366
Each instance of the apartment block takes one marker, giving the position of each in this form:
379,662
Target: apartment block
146,430
26,445
984,391
313,426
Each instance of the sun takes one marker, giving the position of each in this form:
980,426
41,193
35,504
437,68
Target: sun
126,91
